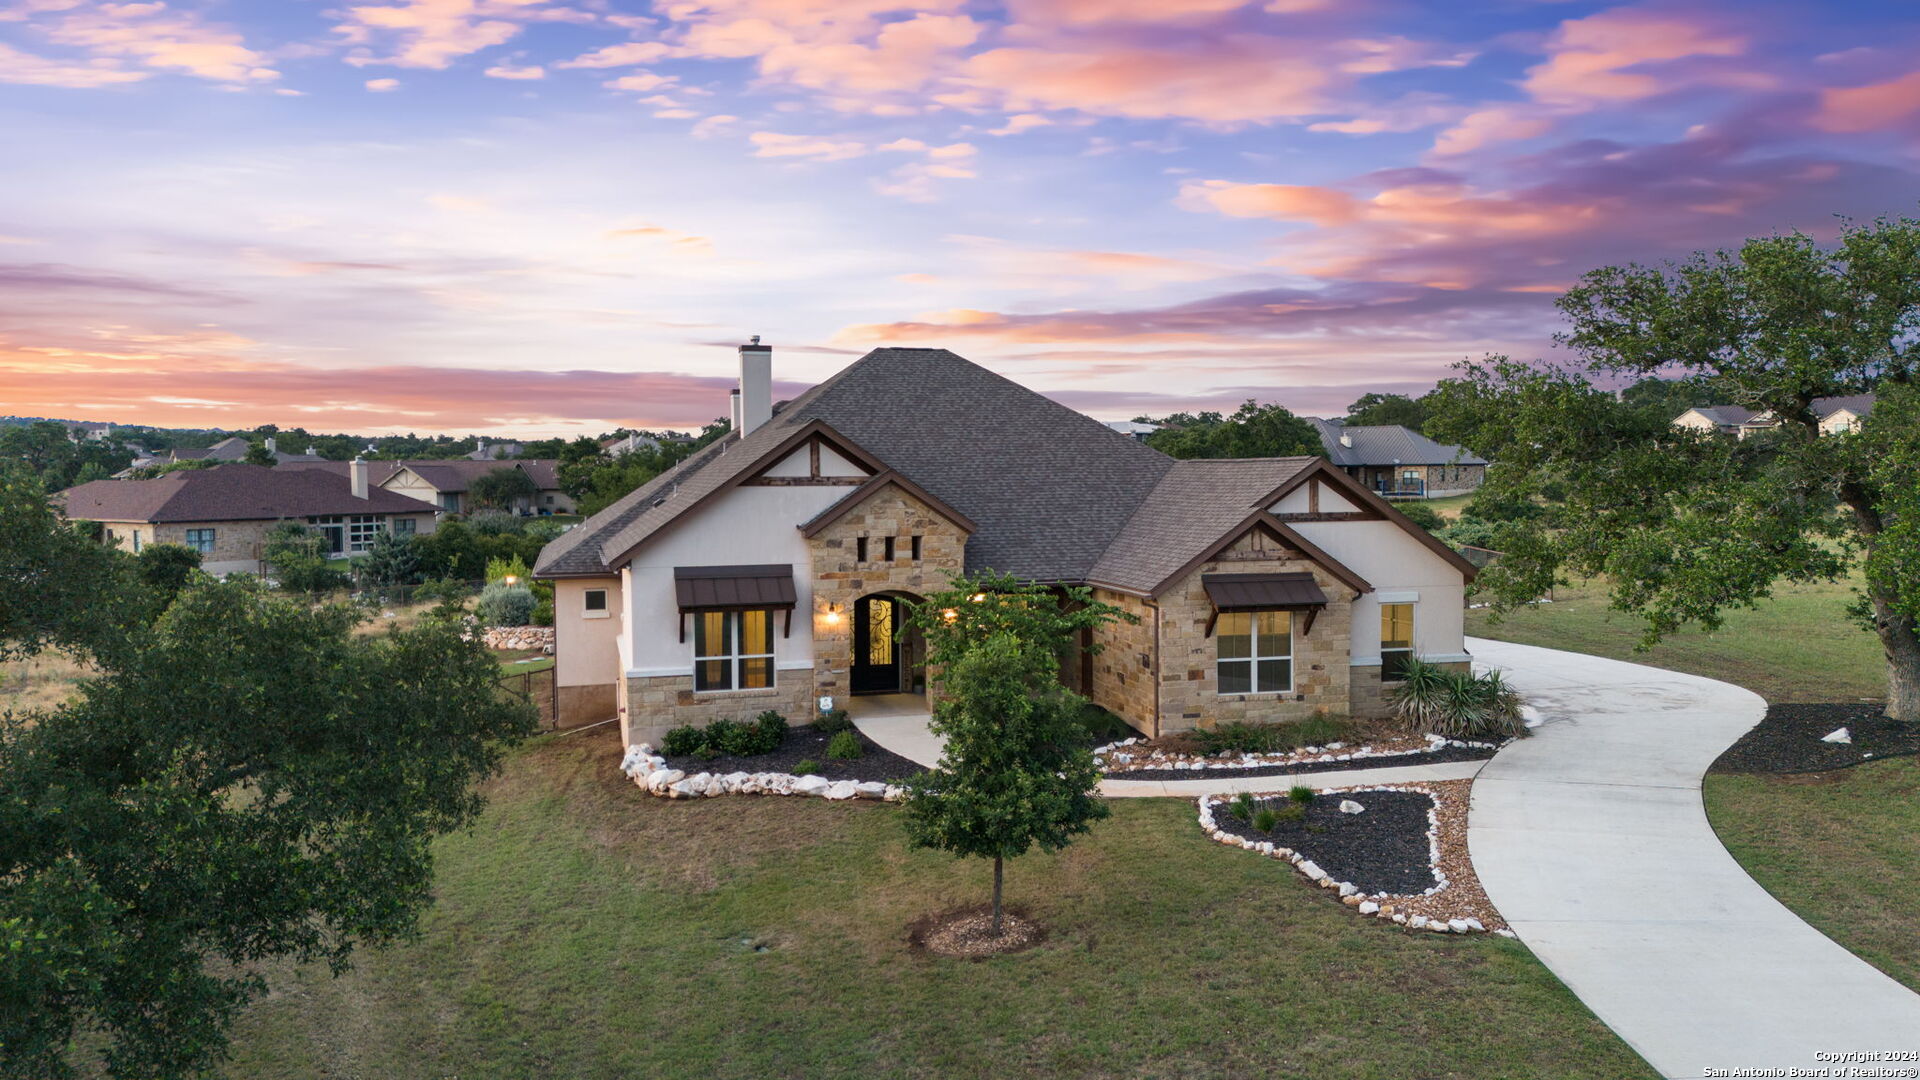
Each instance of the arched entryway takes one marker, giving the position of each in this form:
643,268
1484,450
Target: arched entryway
888,655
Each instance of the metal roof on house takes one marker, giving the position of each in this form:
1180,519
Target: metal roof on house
230,493
1387,444
1262,592
705,588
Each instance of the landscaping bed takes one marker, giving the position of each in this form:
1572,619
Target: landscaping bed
803,744
1403,857
1790,740
1329,759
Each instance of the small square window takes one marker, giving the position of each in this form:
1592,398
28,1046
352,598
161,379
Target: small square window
594,602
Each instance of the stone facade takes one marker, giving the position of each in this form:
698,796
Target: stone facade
840,577
1123,669
1189,691
1369,696
655,704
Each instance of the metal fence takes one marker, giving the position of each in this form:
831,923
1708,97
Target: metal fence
535,687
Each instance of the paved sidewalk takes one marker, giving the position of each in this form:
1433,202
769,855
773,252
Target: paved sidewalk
1592,841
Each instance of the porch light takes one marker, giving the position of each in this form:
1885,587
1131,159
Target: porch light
832,616
949,614
511,579
978,598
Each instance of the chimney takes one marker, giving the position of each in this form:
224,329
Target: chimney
357,472
756,385
733,397
312,450
270,447
1346,439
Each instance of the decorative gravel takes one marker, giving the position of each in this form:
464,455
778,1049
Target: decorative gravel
1788,740
1383,850
801,743
1371,761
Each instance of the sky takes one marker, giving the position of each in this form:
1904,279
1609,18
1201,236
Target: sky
541,217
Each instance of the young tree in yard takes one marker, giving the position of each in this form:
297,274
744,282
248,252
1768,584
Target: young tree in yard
1686,524
247,781
1018,769
167,568
391,562
297,556
500,488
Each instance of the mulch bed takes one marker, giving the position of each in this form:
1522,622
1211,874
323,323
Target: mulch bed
1383,850
967,934
1382,761
1788,740
801,743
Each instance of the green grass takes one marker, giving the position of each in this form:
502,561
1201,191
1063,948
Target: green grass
1840,849
1799,646
585,929
1449,507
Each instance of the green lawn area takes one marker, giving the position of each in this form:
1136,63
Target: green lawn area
1448,507
586,929
1799,646
1841,849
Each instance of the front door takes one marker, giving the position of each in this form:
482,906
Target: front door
876,655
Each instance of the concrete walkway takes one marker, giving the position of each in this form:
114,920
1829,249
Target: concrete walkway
898,722
1592,840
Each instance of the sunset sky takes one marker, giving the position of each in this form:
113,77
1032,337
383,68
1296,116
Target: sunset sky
548,216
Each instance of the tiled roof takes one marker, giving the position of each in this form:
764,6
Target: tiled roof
1387,444
230,493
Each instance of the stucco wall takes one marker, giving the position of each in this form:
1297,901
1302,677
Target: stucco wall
586,652
1401,570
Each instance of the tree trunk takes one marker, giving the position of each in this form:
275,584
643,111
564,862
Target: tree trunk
997,870
1902,644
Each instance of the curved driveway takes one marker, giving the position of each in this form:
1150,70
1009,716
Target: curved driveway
1592,840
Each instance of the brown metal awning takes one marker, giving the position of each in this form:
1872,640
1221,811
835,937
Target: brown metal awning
1264,592
734,588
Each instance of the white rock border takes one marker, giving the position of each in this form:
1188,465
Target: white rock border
650,771
1115,753
1350,894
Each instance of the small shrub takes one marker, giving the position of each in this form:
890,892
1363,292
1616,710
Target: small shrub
1293,811
773,729
543,613
805,766
493,522
1422,515
1102,726
844,746
832,721
706,753
1241,737
1266,819
1301,794
1241,806
505,605
727,737
682,741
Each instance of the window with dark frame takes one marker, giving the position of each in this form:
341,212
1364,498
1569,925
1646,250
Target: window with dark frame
1253,652
887,547
200,540
913,547
1396,641
860,550
594,600
733,650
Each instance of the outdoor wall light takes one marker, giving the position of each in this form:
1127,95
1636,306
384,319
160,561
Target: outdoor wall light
978,597
949,614
832,616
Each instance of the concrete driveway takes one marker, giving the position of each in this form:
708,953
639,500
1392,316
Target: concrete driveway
1592,840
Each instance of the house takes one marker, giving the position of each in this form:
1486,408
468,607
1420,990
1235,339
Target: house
769,570
1399,462
225,513
1133,428
1834,415
443,482
630,443
495,451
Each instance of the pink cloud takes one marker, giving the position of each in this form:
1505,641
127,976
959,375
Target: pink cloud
1232,80
1606,56
151,35
28,69
1869,108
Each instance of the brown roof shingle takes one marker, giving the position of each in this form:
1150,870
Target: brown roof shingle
230,493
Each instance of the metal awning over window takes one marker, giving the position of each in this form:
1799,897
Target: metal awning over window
1264,592
734,588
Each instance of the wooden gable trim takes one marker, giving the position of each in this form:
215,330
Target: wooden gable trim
809,430
1379,508
1279,530
872,487
814,477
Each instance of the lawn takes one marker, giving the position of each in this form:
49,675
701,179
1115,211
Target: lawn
1799,646
585,929
1449,507
1841,849
42,681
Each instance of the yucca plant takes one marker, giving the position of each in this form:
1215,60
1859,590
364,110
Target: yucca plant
1458,705
1421,698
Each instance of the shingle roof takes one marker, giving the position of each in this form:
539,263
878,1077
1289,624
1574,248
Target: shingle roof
450,474
1734,415
230,493
1725,415
1193,505
1387,444
1048,488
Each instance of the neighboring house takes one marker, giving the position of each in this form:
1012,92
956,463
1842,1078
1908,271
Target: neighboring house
1834,414
768,570
495,451
1399,462
225,513
628,444
1133,428
444,482
89,430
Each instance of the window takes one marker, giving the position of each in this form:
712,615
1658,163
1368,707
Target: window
200,540
362,528
732,650
547,499
404,526
136,541
1254,652
1396,641
450,501
860,550
887,546
593,604
913,547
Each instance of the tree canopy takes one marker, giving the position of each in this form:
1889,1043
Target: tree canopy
247,779
500,488
1386,410
1686,524
1018,769
1254,430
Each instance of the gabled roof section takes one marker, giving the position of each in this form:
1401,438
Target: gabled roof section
1261,521
879,483
1195,503
1387,444
1324,472
230,493
1047,488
